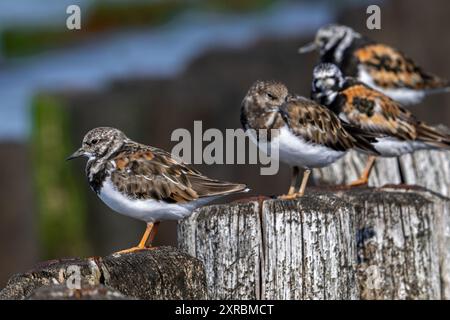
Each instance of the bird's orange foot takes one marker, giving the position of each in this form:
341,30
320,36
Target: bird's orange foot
290,196
133,249
359,182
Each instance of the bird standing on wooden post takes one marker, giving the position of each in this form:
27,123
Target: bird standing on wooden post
306,134
396,129
144,182
378,65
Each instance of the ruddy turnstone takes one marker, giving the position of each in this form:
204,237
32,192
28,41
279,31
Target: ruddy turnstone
396,129
380,66
144,182
307,134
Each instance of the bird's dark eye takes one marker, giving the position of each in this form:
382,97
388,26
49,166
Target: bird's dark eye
94,141
271,96
323,40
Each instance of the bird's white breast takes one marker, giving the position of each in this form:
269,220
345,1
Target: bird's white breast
147,210
295,151
392,147
402,95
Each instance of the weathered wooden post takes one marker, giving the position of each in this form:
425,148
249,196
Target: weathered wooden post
400,243
162,273
308,249
364,243
236,270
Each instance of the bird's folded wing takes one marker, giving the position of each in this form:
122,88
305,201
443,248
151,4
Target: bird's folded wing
316,124
374,112
390,68
151,173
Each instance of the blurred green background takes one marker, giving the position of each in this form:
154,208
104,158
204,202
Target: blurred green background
149,67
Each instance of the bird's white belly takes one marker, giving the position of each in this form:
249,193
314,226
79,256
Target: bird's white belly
392,147
146,210
402,95
295,151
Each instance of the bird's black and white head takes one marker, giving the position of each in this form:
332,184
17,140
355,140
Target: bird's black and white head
334,38
100,143
326,83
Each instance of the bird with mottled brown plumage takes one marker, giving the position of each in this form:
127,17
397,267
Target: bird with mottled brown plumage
380,66
397,130
306,134
144,182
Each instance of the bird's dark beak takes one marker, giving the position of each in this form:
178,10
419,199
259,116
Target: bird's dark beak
79,153
308,47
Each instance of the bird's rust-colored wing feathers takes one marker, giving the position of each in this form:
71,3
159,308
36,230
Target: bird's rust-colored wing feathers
149,173
390,68
317,124
372,111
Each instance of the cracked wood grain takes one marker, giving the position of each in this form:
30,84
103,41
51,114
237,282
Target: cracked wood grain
398,248
308,251
227,239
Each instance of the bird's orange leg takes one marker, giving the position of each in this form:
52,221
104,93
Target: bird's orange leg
149,234
302,188
294,180
153,233
364,178
294,183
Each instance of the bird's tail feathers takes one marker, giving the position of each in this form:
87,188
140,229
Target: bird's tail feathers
434,84
433,136
206,187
